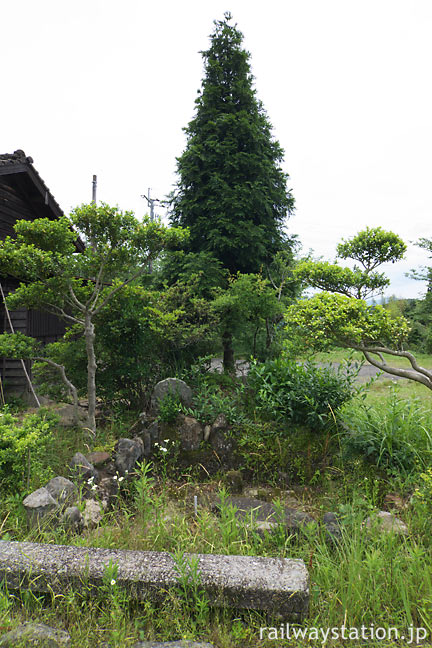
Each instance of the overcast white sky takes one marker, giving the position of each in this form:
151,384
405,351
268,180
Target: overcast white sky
105,87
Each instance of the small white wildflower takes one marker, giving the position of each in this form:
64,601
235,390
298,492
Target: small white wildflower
166,440
94,487
113,582
90,480
120,479
115,477
164,449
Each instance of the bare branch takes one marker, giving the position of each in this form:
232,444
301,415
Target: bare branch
97,288
418,374
72,389
119,287
75,300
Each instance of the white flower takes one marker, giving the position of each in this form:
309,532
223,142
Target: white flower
90,480
115,477
164,449
94,487
166,440
112,582
120,479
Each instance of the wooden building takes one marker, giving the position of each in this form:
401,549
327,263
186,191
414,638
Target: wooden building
23,194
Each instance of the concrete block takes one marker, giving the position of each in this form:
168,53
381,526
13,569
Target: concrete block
277,586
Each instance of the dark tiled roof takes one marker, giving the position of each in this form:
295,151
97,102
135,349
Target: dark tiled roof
17,157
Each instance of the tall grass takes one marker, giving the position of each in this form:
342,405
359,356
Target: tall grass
367,577
395,436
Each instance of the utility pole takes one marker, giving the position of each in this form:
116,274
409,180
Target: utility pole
150,202
94,183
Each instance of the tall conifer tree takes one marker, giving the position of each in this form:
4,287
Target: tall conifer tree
231,192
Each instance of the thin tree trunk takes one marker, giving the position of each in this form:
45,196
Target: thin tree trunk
71,387
268,334
89,334
228,353
254,342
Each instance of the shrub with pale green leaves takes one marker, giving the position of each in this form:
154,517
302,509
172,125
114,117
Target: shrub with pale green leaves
24,445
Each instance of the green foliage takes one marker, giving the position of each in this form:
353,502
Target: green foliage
189,587
264,450
169,408
23,449
18,345
211,399
334,278
200,269
245,308
395,436
372,247
144,336
423,492
70,352
231,192
330,318
79,286
300,394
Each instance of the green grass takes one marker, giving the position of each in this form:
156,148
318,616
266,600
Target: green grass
339,355
367,578
381,387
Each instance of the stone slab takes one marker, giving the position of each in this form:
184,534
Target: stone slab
172,644
278,586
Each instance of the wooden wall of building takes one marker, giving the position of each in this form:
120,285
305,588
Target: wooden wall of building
12,208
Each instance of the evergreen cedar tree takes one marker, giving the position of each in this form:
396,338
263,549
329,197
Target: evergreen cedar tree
231,192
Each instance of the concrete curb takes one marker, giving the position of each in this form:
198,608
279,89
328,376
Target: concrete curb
277,586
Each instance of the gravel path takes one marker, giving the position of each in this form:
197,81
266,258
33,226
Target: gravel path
367,371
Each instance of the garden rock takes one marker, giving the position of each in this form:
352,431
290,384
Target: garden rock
139,429
98,459
234,481
109,488
38,635
263,516
67,415
92,514
387,522
62,489
220,425
83,469
332,527
190,433
73,519
222,445
127,453
39,505
173,386
172,644
154,432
